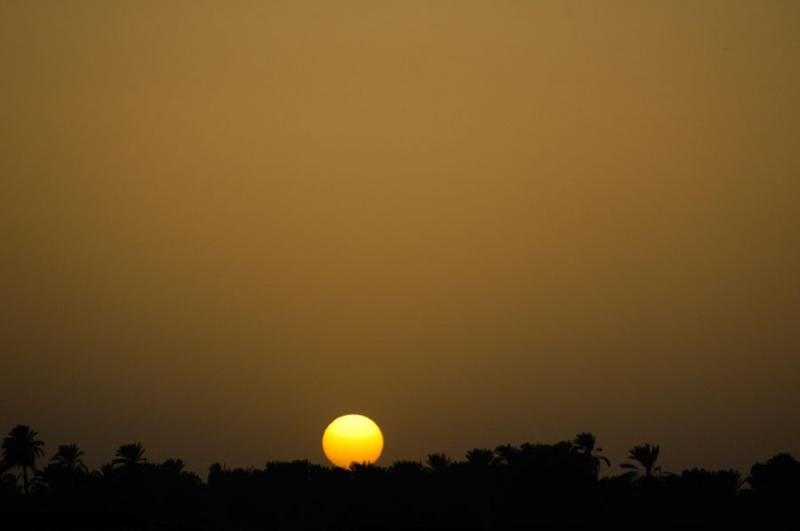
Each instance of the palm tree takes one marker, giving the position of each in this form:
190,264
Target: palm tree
21,448
367,473
507,454
106,470
69,457
406,469
438,462
129,455
779,476
173,466
480,458
646,457
586,444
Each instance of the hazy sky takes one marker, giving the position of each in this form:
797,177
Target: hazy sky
222,224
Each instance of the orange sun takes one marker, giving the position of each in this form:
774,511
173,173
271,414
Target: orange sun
352,439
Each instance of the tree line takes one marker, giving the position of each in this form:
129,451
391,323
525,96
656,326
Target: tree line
557,486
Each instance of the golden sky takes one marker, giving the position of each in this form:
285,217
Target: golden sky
223,224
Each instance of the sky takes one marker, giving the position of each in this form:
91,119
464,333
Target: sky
223,224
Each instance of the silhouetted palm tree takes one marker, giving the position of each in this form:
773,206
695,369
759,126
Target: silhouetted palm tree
21,448
646,457
406,469
173,466
480,458
215,473
106,470
367,473
69,457
507,454
711,484
779,476
438,462
129,455
586,443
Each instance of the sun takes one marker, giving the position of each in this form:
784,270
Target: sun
352,439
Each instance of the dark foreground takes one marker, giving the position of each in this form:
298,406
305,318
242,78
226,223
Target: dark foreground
532,486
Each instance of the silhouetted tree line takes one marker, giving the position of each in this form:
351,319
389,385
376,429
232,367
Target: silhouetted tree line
549,486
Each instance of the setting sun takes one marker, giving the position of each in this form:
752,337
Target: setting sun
352,439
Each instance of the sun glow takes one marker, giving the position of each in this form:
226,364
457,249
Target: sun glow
352,439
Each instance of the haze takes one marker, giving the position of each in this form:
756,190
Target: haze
223,224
